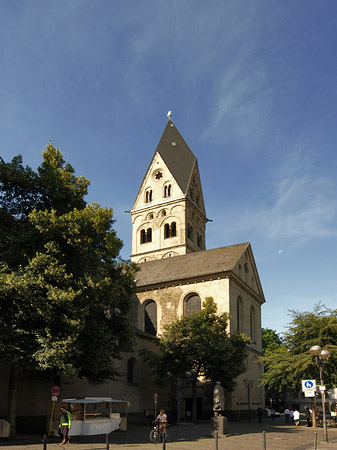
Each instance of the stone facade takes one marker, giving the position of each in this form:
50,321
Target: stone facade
175,269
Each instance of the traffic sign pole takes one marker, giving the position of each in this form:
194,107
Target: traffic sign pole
155,398
55,392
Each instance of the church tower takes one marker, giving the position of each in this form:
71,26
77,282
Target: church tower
168,215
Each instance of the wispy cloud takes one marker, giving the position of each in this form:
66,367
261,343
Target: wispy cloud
300,205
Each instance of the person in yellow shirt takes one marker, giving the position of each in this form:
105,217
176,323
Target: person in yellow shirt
65,425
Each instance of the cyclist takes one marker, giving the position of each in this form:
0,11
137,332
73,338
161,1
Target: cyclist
162,420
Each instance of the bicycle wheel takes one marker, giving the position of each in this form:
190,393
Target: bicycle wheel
155,436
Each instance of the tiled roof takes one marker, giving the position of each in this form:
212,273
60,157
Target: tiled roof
192,265
177,155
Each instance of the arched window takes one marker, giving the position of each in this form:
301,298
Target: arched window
190,232
148,196
199,240
151,317
192,304
146,236
166,231
239,315
252,324
170,230
167,190
132,371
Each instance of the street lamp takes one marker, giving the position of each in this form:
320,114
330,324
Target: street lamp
320,358
248,384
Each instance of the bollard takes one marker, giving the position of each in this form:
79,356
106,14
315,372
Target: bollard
107,441
164,441
44,442
315,441
264,441
216,436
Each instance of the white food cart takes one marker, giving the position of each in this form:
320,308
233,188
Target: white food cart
95,415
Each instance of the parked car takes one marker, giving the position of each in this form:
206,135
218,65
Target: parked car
269,413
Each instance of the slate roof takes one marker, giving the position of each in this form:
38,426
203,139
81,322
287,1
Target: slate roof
191,265
179,158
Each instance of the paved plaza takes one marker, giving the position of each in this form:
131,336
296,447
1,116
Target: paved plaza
241,436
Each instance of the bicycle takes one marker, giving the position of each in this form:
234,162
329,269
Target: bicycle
156,435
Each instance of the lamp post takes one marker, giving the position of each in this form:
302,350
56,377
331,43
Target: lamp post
248,384
320,358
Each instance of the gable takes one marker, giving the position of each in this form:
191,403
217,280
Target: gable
156,178
245,268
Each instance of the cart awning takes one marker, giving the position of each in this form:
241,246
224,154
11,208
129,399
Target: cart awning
93,400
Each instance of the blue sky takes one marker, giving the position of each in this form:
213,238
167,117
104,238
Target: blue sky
253,90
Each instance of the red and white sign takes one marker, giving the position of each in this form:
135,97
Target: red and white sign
155,398
55,391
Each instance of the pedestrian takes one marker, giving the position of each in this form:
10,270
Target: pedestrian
259,413
272,413
291,416
296,417
307,415
65,425
286,414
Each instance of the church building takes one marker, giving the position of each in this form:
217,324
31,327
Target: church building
177,273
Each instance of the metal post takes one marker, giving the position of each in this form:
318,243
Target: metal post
107,441
264,441
178,400
248,402
315,441
164,440
320,357
216,435
320,364
313,413
44,441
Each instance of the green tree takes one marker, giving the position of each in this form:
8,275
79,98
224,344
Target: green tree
291,362
65,294
199,343
270,340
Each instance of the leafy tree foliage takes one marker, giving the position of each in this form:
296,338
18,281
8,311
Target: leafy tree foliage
291,362
64,292
53,186
199,343
271,341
